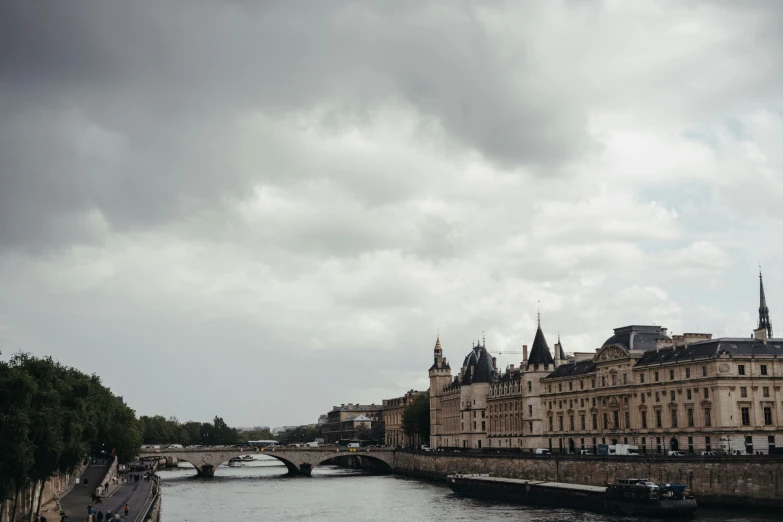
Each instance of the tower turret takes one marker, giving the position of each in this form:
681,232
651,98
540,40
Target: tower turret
764,322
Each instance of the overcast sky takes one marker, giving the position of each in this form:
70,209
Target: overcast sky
263,209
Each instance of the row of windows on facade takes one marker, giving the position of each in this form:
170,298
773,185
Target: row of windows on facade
614,421
659,443
656,378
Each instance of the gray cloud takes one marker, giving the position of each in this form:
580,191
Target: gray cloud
236,197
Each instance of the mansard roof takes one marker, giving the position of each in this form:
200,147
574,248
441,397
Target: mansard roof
540,353
637,337
712,348
479,366
571,369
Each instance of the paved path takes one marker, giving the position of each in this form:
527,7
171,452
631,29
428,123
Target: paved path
75,503
131,493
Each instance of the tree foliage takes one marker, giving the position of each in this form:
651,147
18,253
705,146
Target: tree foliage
416,417
52,418
159,430
300,434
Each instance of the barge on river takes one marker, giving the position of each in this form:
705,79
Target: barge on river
624,497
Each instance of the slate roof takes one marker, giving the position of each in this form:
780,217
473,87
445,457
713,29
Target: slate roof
636,337
578,368
478,366
539,353
712,348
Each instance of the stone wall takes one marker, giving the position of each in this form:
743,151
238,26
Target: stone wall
735,481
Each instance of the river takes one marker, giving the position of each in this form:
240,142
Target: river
259,492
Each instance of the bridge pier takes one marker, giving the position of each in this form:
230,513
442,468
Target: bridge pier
306,470
207,470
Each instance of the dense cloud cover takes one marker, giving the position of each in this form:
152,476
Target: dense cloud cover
262,209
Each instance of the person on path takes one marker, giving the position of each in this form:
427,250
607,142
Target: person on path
126,510
100,516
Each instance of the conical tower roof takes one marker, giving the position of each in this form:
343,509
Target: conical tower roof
540,353
763,310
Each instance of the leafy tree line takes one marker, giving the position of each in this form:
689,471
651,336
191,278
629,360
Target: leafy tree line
416,418
52,418
159,430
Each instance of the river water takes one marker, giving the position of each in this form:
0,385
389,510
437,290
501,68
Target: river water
259,492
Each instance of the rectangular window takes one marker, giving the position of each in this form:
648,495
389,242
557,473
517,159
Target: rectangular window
658,422
767,416
593,383
603,381
690,445
474,425
656,376
643,397
689,394
571,422
707,417
606,421
483,425
530,410
741,369
644,419
743,391
617,420
687,372
614,379
570,403
627,420
625,378
763,369
657,397
641,378
570,385
593,402
703,371
595,421
560,386
550,388
550,425
529,386
582,422
765,391
671,375
560,423
672,396
707,445
581,385
706,393
690,417
674,418
745,416
582,403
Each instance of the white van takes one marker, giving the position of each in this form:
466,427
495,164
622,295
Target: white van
676,454
175,446
354,444
543,451
312,444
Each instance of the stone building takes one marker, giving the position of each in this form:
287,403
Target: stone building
340,423
458,407
392,419
686,392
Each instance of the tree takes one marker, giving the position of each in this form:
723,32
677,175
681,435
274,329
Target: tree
416,417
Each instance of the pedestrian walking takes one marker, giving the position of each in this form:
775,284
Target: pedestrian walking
126,510
100,516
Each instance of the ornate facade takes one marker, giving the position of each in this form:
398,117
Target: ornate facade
643,387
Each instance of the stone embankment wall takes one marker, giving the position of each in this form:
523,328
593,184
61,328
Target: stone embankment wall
54,488
756,481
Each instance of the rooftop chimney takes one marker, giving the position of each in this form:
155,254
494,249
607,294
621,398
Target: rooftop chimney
524,353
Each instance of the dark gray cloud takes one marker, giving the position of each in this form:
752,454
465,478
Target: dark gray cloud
168,85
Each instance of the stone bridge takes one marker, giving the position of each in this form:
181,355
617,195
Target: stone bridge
299,461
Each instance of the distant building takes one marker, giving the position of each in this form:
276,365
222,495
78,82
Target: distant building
392,419
642,387
340,423
322,419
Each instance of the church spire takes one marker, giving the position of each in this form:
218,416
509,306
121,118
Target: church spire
763,310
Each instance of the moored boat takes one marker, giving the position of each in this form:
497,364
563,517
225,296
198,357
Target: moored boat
236,461
624,497
247,458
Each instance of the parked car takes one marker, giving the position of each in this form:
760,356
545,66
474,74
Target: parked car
585,452
676,453
425,447
542,451
709,454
